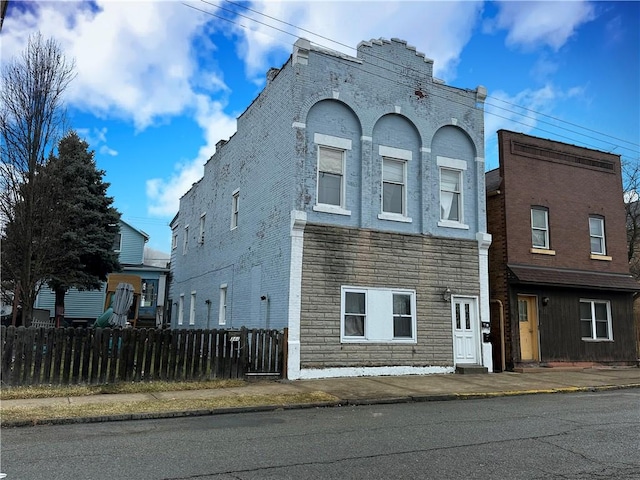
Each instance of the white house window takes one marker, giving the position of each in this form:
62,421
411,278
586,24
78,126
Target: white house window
596,232
222,313
185,243
117,242
181,309
202,222
394,174
378,315
595,320
192,309
330,176
540,228
451,196
174,241
331,185
235,205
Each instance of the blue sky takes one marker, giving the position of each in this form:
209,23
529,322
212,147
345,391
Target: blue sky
160,82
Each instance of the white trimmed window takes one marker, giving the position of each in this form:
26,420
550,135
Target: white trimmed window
185,243
181,309
331,185
202,223
378,315
192,309
394,192
174,241
222,312
595,320
451,188
235,206
117,242
540,228
596,232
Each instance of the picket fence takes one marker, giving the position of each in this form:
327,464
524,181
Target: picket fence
70,356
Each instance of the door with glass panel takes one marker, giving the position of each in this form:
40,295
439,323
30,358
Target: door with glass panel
528,323
465,330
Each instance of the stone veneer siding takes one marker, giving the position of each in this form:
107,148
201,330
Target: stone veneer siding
335,256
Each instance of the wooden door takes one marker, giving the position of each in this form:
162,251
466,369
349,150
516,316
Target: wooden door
528,323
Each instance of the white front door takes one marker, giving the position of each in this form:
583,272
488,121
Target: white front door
465,330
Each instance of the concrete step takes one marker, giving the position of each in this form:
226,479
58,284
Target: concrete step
471,369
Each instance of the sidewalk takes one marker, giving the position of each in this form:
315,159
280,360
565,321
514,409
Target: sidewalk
353,391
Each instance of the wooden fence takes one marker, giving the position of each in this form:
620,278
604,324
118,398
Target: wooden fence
68,356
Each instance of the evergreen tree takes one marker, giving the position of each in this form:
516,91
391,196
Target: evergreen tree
83,251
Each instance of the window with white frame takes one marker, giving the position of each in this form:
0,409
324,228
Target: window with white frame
202,222
595,320
540,227
394,175
185,242
174,241
596,232
330,176
192,309
331,163
235,205
181,309
117,242
450,195
222,312
451,192
378,315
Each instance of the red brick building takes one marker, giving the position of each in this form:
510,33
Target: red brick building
560,287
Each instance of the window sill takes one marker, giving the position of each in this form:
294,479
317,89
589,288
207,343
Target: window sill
394,217
331,209
606,258
543,251
450,224
597,340
377,342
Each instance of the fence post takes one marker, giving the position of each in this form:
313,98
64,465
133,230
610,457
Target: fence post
244,350
285,354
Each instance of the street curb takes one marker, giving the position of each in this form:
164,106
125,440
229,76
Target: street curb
300,406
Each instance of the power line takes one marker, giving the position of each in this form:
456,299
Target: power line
527,117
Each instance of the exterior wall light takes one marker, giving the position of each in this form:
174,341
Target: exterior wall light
446,295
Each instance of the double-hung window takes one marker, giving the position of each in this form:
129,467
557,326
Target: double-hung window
596,232
185,243
202,224
378,315
222,311
451,192
393,186
235,207
331,185
595,320
174,241
192,309
181,309
540,228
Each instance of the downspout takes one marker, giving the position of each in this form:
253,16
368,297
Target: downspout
502,355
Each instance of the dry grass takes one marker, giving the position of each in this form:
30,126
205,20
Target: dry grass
14,393
40,414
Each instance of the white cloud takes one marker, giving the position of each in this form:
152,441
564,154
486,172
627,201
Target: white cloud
164,195
520,113
105,150
533,24
438,29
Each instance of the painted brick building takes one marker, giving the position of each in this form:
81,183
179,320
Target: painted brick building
349,207
559,276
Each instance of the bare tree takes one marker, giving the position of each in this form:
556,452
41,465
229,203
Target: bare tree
32,119
631,187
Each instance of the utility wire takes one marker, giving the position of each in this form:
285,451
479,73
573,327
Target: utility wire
533,119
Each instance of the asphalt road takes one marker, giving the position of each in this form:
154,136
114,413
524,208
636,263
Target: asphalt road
568,436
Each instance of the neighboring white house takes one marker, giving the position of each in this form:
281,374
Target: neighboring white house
349,207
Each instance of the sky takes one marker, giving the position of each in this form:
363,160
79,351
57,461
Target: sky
159,83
